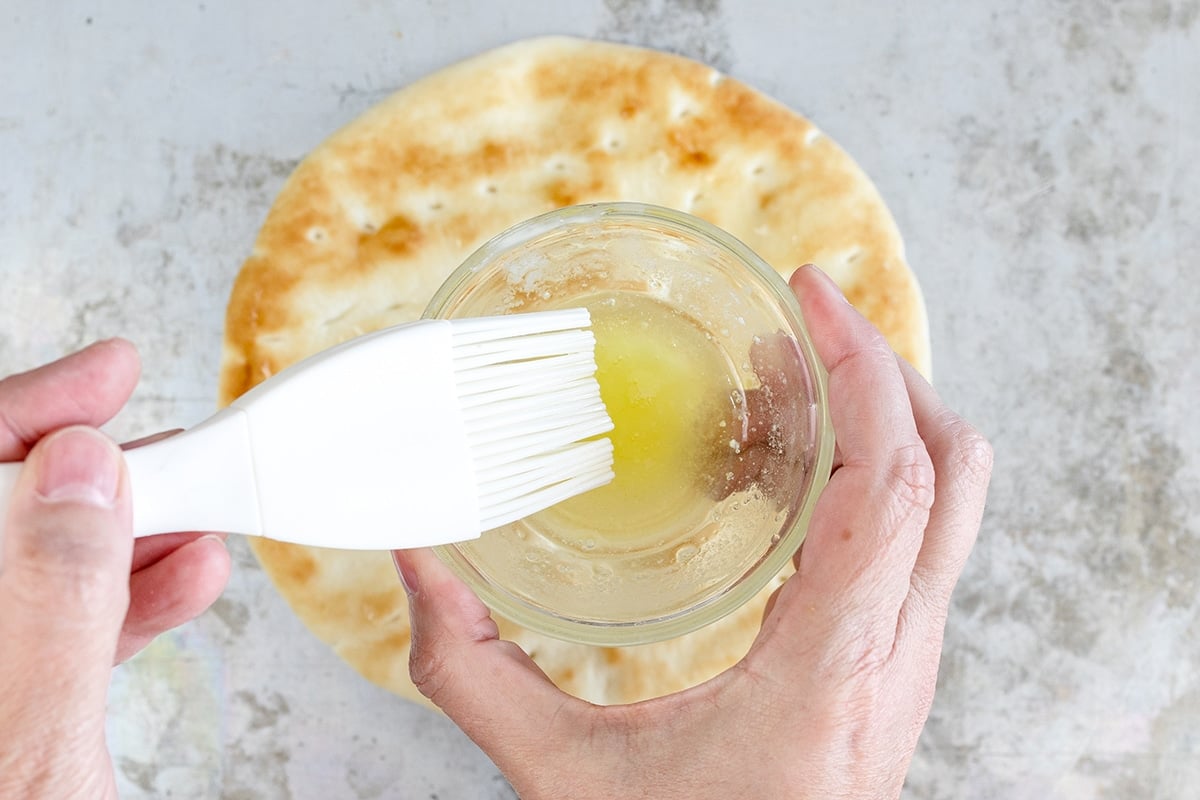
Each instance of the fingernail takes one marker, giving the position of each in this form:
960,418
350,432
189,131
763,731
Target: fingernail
216,537
828,281
79,465
408,578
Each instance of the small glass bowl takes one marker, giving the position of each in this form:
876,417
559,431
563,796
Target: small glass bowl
766,454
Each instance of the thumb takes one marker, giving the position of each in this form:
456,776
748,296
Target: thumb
64,576
489,687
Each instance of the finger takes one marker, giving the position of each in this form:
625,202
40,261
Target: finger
489,687
84,388
64,578
868,524
174,589
871,517
149,550
962,462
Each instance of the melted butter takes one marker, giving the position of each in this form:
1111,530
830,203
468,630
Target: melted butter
667,387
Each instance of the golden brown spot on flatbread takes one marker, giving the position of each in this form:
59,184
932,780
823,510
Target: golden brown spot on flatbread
591,83
296,564
420,163
691,150
397,641
425,165
258,305
381,605
567,193
238,381
755,115
559,195
458,228
492,157
395,239
292,231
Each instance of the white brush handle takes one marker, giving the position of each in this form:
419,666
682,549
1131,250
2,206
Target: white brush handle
361,447
200,480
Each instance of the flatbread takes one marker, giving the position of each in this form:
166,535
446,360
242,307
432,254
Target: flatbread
375,218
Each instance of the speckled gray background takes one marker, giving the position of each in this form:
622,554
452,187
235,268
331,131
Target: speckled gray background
1043,161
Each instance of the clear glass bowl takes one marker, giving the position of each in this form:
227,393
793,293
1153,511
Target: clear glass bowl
723,440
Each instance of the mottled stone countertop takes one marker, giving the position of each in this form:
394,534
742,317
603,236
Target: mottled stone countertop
1042,159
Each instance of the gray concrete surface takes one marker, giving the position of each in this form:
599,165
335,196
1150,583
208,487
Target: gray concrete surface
1043,161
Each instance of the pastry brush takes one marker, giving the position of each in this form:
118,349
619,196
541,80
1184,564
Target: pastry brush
420,434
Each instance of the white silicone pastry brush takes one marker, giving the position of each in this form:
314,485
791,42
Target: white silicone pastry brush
421,434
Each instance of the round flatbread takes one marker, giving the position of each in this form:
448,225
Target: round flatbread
374,219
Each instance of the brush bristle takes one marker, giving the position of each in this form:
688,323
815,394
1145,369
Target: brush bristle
531,406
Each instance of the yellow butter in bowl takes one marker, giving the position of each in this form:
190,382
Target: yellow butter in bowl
667,387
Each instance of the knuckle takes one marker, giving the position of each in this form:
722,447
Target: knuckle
865,673
872,354
429,672
869,662
866,650
928,600
973,455
910,478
